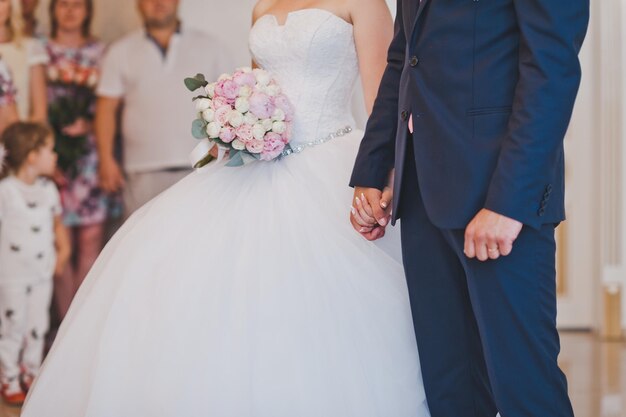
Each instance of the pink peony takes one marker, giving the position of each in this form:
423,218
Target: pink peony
273,146
219,102
261,105
282,102
227,134
286,136
244,78
221,115
255,146
244,132
227,89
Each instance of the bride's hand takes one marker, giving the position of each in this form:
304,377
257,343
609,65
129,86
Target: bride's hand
366,215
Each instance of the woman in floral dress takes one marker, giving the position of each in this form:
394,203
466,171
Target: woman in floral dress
8,110
72,75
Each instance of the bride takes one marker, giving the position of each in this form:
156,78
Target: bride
244,292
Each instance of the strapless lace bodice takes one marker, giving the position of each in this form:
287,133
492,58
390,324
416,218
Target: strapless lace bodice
313,57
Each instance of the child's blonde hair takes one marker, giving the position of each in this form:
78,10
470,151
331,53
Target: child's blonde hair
19,140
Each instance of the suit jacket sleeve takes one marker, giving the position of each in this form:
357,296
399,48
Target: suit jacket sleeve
376,155
551,34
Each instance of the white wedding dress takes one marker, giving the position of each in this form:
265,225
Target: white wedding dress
244,292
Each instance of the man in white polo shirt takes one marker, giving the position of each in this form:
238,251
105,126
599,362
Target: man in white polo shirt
143,74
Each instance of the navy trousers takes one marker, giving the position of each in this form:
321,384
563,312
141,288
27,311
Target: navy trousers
486,331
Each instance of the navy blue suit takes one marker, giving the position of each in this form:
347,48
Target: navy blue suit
491,85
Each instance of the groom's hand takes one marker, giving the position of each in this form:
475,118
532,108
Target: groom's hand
370,211
490,235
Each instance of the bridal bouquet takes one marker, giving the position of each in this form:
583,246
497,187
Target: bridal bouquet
244,113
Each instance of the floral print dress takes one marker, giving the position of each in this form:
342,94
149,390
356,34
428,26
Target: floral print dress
7,88
72,75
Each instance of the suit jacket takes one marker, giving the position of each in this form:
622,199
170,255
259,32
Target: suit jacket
491,85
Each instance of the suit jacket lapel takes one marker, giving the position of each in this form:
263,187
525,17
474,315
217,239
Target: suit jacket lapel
420,9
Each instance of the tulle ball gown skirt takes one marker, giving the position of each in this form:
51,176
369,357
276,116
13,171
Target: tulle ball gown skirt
240,292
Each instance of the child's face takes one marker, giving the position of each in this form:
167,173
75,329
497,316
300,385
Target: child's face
45,158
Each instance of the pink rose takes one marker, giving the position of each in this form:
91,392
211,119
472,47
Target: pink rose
244,78
221,115
227,89
261,105
219,102
227,134
282,102
273,146
255,146
244,132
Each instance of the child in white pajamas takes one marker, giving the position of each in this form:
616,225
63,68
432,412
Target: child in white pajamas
33,244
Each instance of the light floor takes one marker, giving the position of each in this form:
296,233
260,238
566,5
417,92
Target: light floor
596,372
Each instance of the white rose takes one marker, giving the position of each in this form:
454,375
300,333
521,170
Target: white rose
223,77
213,130
258,131
210,90
262,77
238,145
202,104
278,115
242,104
272,90
279,127
235,118
208,115
250,119
267,124
245,91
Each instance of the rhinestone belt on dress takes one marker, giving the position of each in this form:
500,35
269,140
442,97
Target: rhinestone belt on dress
300,147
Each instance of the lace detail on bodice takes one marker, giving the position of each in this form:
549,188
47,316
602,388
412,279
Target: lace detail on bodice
313,57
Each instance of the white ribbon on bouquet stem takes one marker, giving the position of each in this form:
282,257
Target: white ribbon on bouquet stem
202,150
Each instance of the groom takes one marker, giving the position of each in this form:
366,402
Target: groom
487,88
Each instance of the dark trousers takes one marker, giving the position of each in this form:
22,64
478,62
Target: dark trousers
486,331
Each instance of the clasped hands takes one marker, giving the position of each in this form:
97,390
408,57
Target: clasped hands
488,236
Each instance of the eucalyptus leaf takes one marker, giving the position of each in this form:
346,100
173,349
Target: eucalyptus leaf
198,129
236,160
193,83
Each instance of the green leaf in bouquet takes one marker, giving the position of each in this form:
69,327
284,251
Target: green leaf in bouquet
198,129
198,98
248,157
193,83
236,159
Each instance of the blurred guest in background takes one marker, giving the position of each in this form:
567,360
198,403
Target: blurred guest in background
29,11
25,58
8,110
33,245
73,72
145,72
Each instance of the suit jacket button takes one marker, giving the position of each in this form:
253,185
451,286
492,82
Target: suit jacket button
414,61
404,115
